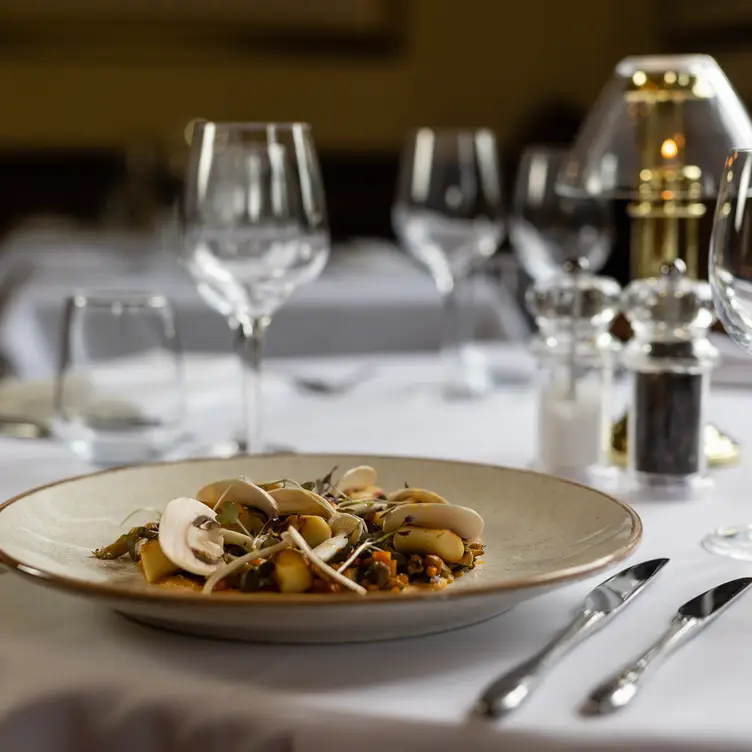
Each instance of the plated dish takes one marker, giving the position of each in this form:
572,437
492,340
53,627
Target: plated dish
331,535
539,533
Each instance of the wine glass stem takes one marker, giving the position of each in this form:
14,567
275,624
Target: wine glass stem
240,348
253,331
453,339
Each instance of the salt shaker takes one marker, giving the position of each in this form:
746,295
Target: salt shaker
671,359
576,356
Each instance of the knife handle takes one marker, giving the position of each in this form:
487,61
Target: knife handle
509,691
621,689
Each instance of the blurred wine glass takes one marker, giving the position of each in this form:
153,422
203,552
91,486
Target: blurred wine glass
730,275
546,228
254,229
448,215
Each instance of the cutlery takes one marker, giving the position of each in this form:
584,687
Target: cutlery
320,385
689,620
509,691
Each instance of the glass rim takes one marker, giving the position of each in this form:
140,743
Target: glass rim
453,129
131,299
254,126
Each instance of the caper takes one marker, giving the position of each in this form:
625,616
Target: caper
378,574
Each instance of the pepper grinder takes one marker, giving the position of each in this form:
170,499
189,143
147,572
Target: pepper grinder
670,359
576,355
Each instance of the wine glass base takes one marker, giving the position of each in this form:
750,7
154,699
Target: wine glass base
733,542
235,448
465,390
466,373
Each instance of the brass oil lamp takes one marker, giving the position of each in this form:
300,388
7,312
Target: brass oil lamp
658,137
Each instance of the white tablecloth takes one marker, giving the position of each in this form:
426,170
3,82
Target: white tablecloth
76,677
370,298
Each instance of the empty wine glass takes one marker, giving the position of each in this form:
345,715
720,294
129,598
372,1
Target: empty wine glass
730,274
548,229
448,215
254,229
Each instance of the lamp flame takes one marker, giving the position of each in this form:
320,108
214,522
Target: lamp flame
669,149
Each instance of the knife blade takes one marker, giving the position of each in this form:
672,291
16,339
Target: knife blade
509,691
689,620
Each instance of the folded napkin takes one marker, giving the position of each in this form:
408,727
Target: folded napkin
33,399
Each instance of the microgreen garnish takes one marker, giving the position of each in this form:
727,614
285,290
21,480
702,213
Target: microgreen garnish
222,497
324,485
373,543
125,543
229,514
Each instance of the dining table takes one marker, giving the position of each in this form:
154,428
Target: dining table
76,676
370,298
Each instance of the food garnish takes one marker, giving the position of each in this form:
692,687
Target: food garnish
323,536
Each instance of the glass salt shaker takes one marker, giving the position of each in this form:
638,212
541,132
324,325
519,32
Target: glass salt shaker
576,355
670,358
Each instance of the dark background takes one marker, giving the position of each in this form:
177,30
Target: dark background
97,92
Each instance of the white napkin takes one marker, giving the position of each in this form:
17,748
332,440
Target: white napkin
209,380
33,399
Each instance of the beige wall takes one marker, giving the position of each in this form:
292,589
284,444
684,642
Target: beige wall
465,61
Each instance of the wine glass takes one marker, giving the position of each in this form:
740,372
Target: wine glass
730,274
548,229
448,215
172,239
254,229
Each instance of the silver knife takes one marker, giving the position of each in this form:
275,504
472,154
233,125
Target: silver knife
509,691
689,620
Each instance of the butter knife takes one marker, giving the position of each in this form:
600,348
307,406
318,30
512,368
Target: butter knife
689,620
509,691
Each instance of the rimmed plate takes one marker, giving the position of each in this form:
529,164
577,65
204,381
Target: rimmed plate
541,532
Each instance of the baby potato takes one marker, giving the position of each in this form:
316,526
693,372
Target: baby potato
154,564
291,572
314,529
419,540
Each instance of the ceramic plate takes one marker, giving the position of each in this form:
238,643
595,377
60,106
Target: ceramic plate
541,532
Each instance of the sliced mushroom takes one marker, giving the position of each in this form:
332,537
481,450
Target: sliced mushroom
240,491
357,478
416,496
190,536
300,501
466,523
349,525
347,528
368,493
440,542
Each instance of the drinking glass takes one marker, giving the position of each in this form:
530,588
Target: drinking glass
171,241
254,229
448,215
111,412
548,229
730,274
